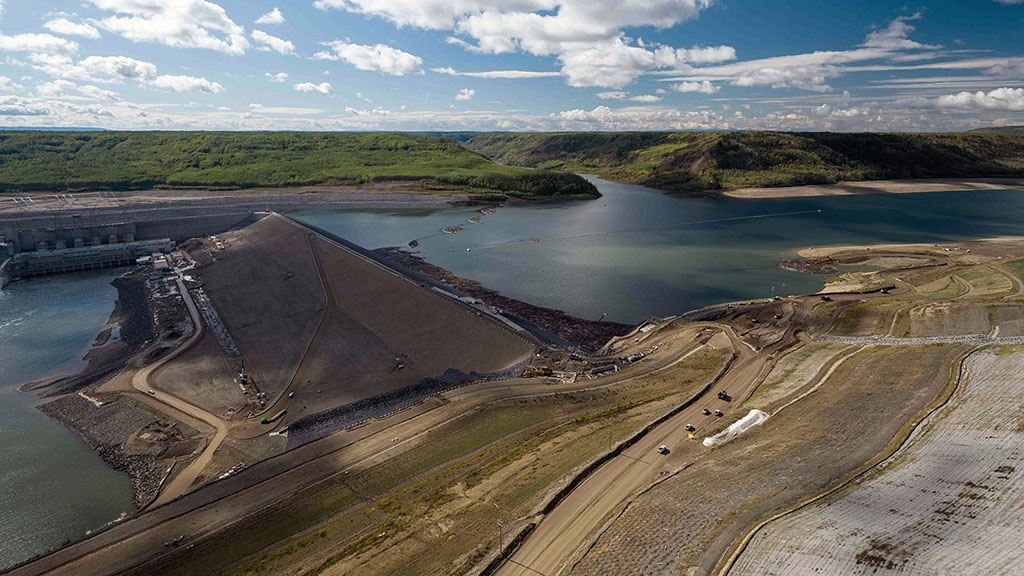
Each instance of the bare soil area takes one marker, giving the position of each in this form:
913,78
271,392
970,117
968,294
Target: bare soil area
879,187
685,523
949,502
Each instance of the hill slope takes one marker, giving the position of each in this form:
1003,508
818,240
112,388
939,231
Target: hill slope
700,161
62,161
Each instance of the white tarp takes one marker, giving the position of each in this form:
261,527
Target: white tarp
753,418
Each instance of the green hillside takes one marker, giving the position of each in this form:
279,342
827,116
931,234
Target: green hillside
68,161
700,161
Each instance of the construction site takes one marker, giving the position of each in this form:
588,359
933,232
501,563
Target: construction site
303,406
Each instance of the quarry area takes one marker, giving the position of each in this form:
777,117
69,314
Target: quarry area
288,403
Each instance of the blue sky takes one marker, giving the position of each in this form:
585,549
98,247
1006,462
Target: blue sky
512,64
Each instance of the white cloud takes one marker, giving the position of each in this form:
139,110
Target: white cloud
703,87
895,36
186,84
69,28
279,77
697,55
636,118
811,78
586,36
266,42
58,88
99,93
999,99
38,44
323,88
465,94
95,68
377,58
272,17
646,98
177,23
497,73
8,84
615,95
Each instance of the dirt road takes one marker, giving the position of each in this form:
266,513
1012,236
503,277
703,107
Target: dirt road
573,523
140,381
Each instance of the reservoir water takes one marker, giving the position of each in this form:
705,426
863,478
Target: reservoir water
667,271
52,486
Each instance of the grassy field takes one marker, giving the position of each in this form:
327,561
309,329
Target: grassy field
701,161
69,161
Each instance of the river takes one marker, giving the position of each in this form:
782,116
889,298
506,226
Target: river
636,275
53,487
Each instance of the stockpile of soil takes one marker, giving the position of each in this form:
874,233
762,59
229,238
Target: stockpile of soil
587,333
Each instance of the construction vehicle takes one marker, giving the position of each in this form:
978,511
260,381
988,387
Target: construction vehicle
723,395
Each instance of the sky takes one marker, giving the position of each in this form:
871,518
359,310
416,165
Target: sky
531,65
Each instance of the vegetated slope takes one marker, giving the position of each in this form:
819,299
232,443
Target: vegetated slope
699,161
61,161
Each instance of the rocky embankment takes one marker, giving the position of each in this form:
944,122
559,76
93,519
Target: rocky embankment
809,266
136,326
107,429
587,333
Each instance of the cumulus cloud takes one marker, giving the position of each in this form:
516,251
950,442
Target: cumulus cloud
266,42
57,88
8,84
279,77
497,73
646,98
465,94
95,68
999,99
272,17
377,58
697,55
636,118
186,84
181,24
614,95
702,87
586,36
38,44
895,36
323,88
69,28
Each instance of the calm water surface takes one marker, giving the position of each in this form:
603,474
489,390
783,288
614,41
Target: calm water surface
636,275
52,486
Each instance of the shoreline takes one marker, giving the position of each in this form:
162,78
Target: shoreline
878,187
108,428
